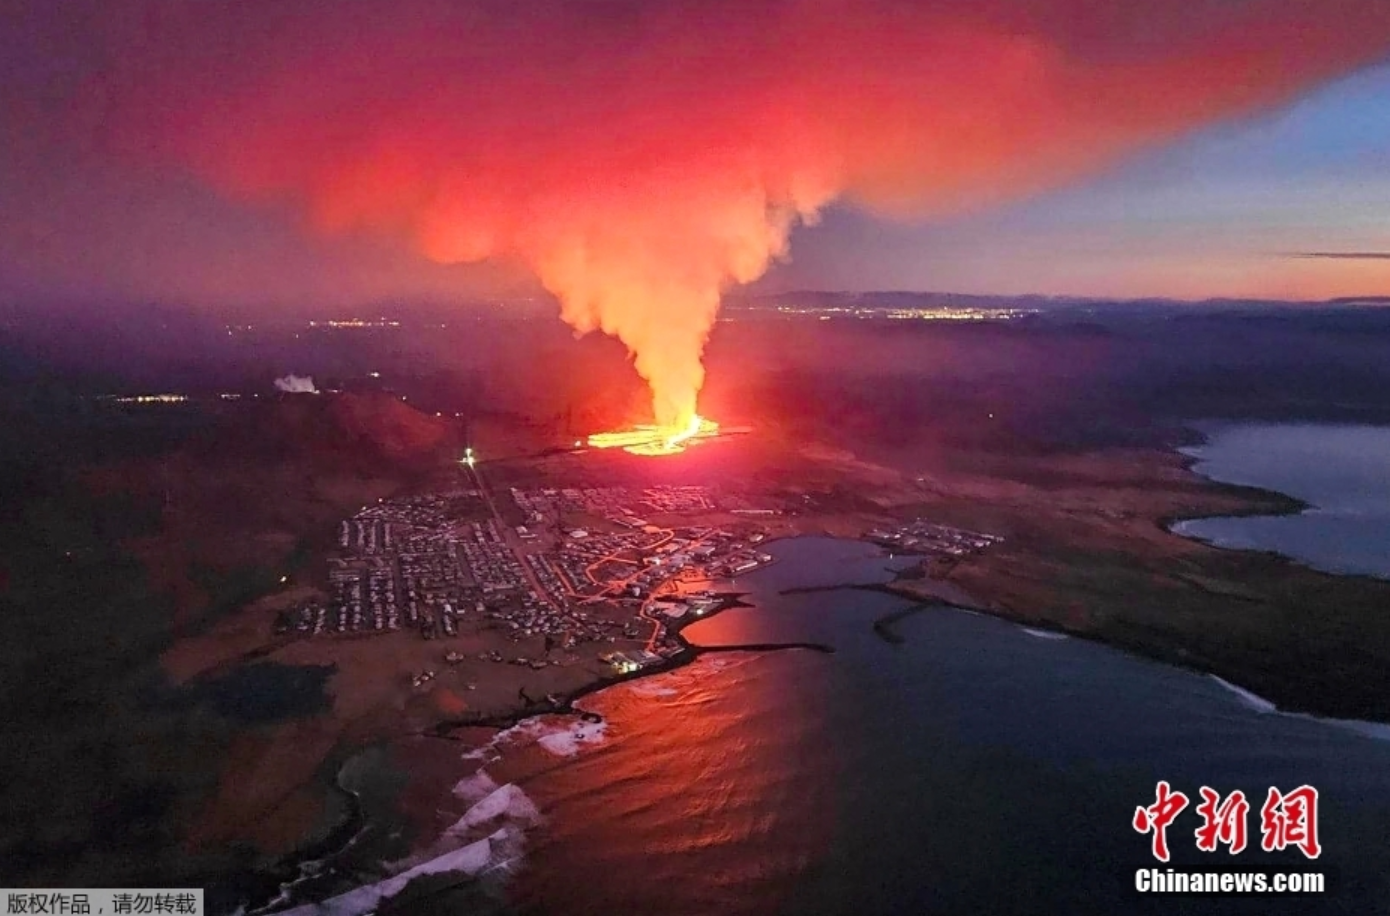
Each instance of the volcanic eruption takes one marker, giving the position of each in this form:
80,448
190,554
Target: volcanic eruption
652,440
640,158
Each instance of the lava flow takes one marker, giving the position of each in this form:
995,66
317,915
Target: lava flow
656,440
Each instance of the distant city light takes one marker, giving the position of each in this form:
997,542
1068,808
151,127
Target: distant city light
151,399
356,323
933,313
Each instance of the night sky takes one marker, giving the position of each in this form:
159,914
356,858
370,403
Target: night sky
333,153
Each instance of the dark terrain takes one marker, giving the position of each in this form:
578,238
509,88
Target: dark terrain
127,526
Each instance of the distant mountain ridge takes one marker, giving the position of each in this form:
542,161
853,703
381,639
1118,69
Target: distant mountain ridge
888,299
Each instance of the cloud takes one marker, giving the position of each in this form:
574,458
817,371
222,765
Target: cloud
1347,255
642,156
296,384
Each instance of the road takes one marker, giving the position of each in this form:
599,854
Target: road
508,536
666,535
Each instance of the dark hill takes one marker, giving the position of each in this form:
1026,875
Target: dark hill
336,432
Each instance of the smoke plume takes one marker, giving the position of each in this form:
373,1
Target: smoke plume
296,384
642,156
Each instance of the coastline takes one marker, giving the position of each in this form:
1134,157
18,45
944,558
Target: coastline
601,768
1041,609
287,870
885,628
273,886
900,586
1283,702
564,704
1275,504
1283,505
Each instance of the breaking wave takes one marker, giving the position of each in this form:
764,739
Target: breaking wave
1379,731
506,803
490,838
569,742
498,850
475,787
1251,701
1044,634
563,739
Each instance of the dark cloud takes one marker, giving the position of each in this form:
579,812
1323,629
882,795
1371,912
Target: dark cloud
1346,255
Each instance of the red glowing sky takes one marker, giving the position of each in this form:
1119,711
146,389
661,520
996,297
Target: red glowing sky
623,151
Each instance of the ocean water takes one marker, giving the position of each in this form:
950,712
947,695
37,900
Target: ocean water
978,767
1342,472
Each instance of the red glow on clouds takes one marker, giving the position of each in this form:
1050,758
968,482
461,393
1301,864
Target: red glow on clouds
640,158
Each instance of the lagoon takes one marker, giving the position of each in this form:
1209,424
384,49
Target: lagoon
1341,472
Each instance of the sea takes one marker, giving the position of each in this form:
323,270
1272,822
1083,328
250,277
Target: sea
974,766
1341,472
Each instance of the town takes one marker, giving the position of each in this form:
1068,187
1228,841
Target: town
932,539
428,566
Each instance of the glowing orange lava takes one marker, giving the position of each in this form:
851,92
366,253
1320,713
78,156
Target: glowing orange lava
656,440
